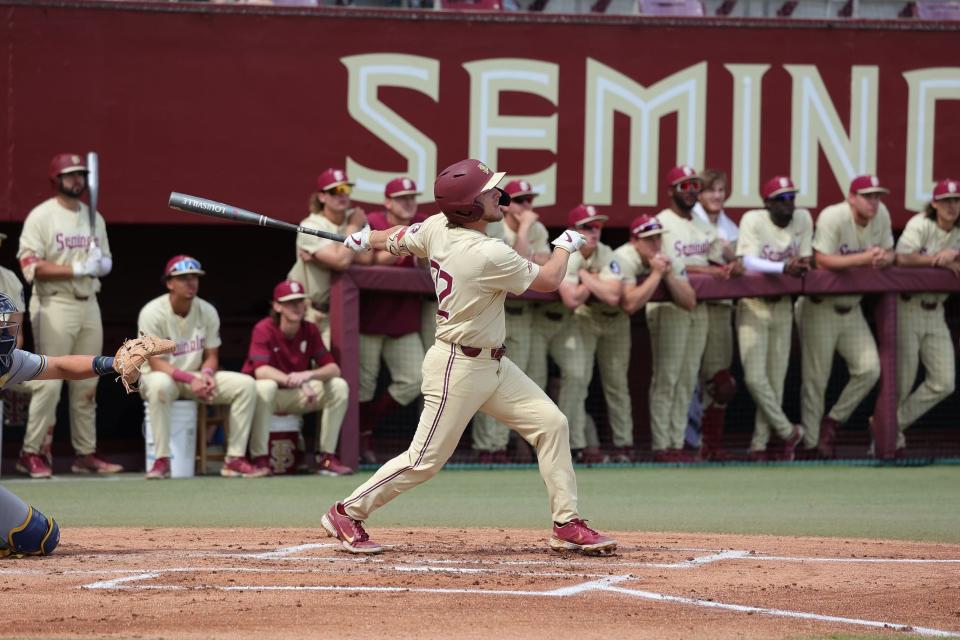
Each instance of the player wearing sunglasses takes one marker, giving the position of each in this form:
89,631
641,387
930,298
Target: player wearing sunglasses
330,210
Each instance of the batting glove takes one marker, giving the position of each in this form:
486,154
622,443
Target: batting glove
570,241
359,241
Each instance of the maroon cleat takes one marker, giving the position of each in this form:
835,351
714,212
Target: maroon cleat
240,467
329,465
159,470
33,465
92,463
577,536
828,438
348,531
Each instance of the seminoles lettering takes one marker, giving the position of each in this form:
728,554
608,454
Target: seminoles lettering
769,253
195,343
72,242
846,250
692,249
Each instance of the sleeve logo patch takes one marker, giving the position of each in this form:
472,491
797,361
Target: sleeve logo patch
615,266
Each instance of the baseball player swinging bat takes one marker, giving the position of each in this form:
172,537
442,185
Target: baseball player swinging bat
214,209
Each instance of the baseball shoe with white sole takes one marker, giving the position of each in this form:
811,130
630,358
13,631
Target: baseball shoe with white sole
348,531
577,536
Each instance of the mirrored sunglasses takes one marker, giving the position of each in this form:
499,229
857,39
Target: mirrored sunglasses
340,190
522,199
188,264
688,185
652,225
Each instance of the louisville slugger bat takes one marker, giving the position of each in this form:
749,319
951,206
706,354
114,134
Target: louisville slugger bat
214,209
93,185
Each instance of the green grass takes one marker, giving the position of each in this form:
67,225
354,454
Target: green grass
912,503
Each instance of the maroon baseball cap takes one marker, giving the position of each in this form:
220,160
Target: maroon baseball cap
401,187
332,178
519,189
584,214
777,185
945,189
681,173
863,185
289,290
181,265
644,226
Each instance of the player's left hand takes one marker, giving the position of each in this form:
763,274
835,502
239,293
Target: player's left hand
570,241
358,241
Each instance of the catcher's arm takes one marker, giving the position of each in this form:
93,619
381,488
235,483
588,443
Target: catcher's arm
75,367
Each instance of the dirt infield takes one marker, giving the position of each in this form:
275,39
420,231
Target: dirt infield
457,583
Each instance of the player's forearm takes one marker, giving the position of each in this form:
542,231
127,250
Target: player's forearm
635,296
335,257
915,260
607,291
69,368
43,270
378,238
552,273
211,360
836,262
573,294
682,293
326,372
266,372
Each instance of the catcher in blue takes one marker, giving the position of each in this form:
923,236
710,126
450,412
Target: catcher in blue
24,531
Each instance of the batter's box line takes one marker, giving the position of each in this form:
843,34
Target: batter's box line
607,584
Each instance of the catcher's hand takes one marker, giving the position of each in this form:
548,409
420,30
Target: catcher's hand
133,354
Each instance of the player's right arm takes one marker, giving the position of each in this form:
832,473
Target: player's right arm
551,273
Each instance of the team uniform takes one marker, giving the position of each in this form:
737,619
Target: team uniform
316,277
389,330
23,529
466,371
303,351
64,315
677,336
764,325
831,324
198,330
605,334
922,331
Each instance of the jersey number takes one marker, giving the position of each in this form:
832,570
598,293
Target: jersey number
443,282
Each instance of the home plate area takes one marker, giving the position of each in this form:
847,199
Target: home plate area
186,583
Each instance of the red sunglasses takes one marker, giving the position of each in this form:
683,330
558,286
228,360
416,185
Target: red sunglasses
688,185
591,226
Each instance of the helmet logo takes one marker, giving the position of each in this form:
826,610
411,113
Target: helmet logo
783,182
407,184
952,186
591,210
874,182
484,168
75,159
524,185
295,287
338,175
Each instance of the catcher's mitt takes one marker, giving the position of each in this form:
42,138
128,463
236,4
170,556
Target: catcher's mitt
133,354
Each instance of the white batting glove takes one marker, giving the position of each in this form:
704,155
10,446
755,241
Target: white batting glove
88,267
570,241
359,240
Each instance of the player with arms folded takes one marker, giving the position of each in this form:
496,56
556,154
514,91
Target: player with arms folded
465,371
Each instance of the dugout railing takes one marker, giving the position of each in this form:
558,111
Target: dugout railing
888,284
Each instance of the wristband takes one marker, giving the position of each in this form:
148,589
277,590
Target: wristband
103,365
207,371
182,376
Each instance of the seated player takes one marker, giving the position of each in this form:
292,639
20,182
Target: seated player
191,372
296,374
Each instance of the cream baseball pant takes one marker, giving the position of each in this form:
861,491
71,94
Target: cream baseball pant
455,387
235,389
486,433
332,397
404,357
606,335
764,330
718,352
677,340
63,325
922,336
557,334
825,329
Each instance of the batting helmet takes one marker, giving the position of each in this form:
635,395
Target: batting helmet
458,186
9,328
66,163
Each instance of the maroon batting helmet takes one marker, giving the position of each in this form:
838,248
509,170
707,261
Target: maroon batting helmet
66,163
458,186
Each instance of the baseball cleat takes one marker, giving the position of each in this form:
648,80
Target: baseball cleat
160,469
348,531
241,468
577,536
329,465
92,463
33,465
790,444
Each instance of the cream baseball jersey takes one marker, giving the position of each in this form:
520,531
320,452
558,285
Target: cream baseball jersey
473,274
315,277
60,236
600,262
691,242
761,238
628,266
199,330
838,234
923,236
10,284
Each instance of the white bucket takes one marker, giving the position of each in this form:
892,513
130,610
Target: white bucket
183,438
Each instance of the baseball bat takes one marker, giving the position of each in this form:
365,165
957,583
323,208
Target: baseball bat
214,209
93,184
